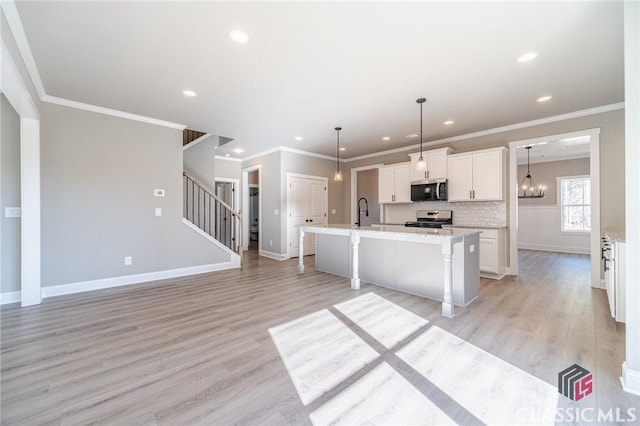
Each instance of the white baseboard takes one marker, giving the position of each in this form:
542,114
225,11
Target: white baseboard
10,297
59,290
272,255
211,239
630,380
559,249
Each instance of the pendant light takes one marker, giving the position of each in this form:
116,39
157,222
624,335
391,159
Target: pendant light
527,183
338,176
421,165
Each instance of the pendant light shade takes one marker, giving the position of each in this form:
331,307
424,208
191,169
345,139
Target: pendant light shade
338,175
528,185
421,164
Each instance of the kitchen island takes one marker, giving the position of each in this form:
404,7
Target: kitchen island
440,264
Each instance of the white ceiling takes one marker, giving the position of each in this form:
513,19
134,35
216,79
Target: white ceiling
311,66
555,150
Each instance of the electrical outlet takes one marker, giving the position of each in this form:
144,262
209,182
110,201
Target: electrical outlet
128,260
270,242
12,212
333,211
158,192
158,211
472,248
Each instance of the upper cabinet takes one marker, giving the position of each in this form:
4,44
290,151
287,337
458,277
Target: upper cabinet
394,183
436,160
477,176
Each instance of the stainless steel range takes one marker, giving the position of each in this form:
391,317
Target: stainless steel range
431,219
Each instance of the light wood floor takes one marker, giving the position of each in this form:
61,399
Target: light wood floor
197,351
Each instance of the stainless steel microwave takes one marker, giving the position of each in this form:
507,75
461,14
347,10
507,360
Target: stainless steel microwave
429,190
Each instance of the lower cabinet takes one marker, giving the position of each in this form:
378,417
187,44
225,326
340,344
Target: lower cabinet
492,252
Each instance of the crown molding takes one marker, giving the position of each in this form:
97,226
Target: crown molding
13,87
196,141
112,112
20,37
308,154
516,126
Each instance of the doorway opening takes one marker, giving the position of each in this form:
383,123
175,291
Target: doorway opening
566,168
252,208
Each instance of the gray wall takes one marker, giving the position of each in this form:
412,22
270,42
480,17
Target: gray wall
228,169
10,197
546,174
98,177
199,161
270,227
368,188
612,183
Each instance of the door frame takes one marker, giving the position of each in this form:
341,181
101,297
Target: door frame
325,182
354,191
594,172
245,205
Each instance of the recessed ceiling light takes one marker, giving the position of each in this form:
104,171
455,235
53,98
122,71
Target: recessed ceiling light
227,155
413,135
298,138
448,122
386,138
544,98
343,149
189,93
527,57
238,150
239,36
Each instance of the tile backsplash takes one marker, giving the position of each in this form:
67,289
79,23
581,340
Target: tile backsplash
492,213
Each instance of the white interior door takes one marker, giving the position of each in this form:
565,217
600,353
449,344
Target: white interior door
307,201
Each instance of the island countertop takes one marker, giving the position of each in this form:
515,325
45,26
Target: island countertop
411,232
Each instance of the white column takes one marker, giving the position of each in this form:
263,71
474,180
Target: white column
355,246
30,203
447,302
301,253
631,365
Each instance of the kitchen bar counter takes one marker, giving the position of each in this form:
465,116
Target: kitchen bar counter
440,264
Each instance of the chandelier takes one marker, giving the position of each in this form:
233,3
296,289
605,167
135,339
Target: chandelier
528,185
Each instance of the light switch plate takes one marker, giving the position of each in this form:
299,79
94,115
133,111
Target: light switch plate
158,192
158,211
472,248
12,212
128,260
275,212
333,211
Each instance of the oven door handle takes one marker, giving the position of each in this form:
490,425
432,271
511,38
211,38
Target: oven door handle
437,191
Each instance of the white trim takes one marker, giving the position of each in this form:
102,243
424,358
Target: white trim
31,211
272,255
196,141
14,88
9,297
354,190
79,287
221,157
113,112
524,124
594,170
553,248
261,154
630,379
245,205
230,252
20,37
538,160
308,154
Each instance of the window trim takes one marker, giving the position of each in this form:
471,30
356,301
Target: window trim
559,180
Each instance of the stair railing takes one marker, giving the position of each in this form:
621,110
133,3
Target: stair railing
211,214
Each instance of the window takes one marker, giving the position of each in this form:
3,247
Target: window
575,203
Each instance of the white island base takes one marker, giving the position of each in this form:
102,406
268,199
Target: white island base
442,265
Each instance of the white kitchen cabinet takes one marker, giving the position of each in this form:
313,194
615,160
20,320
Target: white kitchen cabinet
394,183
477,176
614,275
436,161
492,251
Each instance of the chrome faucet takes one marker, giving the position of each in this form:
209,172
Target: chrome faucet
366,210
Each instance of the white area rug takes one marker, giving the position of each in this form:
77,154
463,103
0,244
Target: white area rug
319,352
386,322
491,389
382,396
